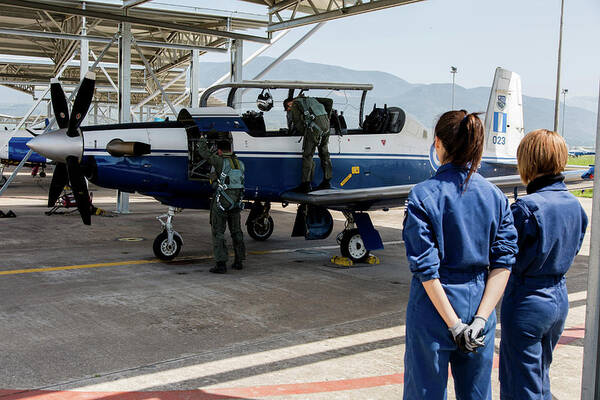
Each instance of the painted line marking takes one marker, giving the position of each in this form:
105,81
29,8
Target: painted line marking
346,179
288,389
156,260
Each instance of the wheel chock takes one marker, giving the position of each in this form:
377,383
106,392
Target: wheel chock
342,261
373,260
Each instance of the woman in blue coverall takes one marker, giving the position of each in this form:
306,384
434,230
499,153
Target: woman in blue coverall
551,225
461,244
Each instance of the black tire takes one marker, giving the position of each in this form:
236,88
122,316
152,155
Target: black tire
260,228
352,246
162,249
2,180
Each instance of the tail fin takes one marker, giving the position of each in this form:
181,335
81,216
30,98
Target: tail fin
504,116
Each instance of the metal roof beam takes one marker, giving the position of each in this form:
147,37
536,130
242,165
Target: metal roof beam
359,8
33,5
133,3
101,39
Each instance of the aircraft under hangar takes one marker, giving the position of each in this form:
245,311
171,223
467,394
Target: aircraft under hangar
148,157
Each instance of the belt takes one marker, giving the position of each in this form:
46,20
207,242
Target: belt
462,275
536,280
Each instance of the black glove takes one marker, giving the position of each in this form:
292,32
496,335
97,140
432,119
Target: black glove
457,332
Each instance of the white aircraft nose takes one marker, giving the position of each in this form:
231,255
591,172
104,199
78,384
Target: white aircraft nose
57,146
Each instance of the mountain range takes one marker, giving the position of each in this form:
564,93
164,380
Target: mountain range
424,101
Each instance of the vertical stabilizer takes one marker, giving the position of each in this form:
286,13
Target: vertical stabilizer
504,116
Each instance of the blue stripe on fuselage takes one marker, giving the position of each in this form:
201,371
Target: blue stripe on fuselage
17,149
165,177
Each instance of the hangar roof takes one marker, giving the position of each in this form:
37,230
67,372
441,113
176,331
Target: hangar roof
46,33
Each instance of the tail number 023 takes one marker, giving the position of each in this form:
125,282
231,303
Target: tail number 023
499,140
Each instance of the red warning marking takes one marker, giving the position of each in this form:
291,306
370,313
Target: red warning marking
570,335
212,394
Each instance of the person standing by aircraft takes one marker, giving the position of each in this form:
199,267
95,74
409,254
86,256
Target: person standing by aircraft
226,203
461,244
309,118
551,225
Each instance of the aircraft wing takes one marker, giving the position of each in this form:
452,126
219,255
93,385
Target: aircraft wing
394,196
353,199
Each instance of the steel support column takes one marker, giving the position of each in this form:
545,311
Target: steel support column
237,58
590,380
124,96
195,79
84,53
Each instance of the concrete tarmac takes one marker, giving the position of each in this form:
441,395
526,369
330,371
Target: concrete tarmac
88,313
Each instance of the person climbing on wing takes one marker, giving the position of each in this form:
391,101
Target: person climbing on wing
461,244
311,120
226,203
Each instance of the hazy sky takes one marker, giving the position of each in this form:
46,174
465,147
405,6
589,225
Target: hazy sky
419,42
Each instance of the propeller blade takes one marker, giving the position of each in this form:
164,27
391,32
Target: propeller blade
82,103
80,190
60,178
59,104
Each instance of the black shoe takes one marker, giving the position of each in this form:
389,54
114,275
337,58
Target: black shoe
220,268
323,185
303,188
237,265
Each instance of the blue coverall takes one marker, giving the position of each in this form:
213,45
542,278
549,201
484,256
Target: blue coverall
455,236
551,224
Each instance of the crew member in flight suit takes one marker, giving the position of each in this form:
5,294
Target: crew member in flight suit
461,244
309,144
551,225
220,218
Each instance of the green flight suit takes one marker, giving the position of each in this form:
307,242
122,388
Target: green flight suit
309,144
219,219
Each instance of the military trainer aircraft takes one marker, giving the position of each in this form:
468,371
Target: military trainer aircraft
13,148
371,170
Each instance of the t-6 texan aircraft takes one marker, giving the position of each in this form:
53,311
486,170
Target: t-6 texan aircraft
371,170
13,148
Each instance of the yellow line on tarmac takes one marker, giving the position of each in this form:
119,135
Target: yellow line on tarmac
156,260
68,267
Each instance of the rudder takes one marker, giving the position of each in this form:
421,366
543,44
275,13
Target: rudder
504,116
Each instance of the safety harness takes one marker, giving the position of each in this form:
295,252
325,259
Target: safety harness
231,178
311,109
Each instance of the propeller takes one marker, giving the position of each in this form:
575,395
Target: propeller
70,170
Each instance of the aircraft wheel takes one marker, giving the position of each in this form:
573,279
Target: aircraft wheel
352,246
260,228
164,250
2,180
42,174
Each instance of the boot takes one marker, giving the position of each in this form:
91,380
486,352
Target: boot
303,188
323,185
220,268
237,264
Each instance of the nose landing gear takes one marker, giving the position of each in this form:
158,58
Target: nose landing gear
168,243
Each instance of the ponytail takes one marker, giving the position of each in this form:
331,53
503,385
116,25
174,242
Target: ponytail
462,136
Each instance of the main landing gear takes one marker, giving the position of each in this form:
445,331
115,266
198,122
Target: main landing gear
350,241
259,223
169,242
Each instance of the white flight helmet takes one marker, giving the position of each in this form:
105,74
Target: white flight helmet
264,102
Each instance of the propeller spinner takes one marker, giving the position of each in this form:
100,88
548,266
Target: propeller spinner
65,145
